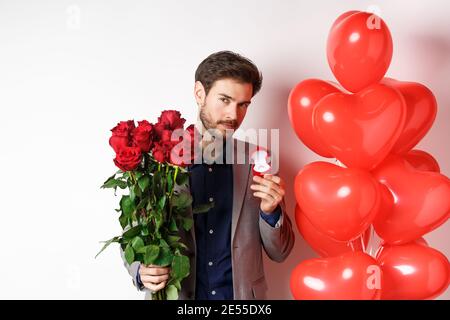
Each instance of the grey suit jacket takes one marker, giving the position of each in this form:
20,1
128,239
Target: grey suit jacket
249,235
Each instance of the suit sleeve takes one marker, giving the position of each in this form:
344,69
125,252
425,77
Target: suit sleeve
132,270
279,240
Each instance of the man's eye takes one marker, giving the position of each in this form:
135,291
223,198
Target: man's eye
225,100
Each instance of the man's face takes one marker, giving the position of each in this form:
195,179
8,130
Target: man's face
225,106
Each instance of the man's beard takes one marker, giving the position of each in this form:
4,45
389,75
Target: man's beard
209,124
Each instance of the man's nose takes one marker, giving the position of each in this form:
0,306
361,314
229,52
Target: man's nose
231,112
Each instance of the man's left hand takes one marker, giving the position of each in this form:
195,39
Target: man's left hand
270,189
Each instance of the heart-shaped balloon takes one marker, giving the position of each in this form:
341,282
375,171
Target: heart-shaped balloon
359,50
323,244
351,276
420,201
360,129
340,202
421,109
422,160
413,271
301,102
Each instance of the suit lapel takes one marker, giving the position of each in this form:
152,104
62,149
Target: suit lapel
240,180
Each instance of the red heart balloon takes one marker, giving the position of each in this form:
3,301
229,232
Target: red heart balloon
413,271
359,50
420,201
351,276
421,109
340,202
422,160
301,102
360,129
323,244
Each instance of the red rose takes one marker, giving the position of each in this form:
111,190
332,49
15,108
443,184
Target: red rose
161,151
121,135
166,135
143,136
128,158
169,120
177,156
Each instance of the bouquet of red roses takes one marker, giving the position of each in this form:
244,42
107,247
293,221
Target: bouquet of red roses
152,160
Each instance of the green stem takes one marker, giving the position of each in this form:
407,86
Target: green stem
174,180
132,177
171,191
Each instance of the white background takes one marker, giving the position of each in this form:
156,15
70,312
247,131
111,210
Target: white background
70,70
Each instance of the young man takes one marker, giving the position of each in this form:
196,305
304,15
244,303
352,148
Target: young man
225,244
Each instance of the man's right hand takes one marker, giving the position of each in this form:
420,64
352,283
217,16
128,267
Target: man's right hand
154,277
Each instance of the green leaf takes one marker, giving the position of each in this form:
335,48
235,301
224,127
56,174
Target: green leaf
163,243
129,254
132,194
180,267
137,243
187,223
143,182
142,203
127,205
164,258
137,191
158,221
151,253
169,181
123,220
108,180
182,178
107,243
181,200
171,292
203,208
131,233
162,202
173,225
138,174
145,231
177,284
157,184
173,239
114,183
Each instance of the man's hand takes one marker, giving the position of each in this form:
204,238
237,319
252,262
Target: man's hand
154,277
271,191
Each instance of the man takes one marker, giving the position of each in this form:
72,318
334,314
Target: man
225,244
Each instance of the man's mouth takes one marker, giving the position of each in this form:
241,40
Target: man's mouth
228,125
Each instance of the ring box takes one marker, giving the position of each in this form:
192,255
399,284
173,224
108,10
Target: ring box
260,162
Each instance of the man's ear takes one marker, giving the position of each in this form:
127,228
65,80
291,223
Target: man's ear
199,93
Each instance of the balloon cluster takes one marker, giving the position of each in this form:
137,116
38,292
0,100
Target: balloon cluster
369,124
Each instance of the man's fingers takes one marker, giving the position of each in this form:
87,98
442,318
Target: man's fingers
155,287
275,179
264,196
275,192
154,279
153,270
274,182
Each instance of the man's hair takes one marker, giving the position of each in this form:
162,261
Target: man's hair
227,64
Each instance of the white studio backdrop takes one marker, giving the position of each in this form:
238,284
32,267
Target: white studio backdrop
70,70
